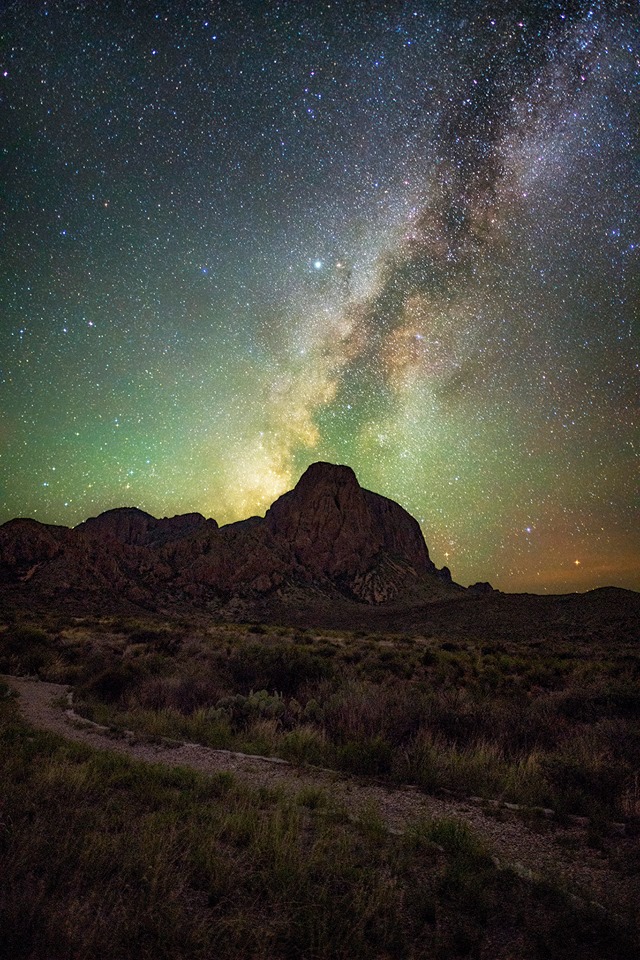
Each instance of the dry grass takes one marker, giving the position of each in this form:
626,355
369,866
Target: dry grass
553,725
103,857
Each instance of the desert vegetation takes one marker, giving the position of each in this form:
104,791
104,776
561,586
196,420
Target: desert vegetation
542,725
106,857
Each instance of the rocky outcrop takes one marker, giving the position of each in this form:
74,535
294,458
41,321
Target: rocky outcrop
328,534
481,587
332,528
336,528
27,544
134,527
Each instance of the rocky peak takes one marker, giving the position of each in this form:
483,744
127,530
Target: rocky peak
126,524
322,474
25,543
328,533
134,527
183,525
481,587
335,527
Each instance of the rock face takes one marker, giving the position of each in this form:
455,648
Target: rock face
26,543
328,534
336,528
137,528
482,587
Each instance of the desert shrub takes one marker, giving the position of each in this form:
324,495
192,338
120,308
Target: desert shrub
261,737
455,837
525,782
171,646
452,712
385,664
371,757
429,657
207,726
17,638
481,769
469,882
326,650
25,649
355,711
147,635
125,626
113,683
182,693
282,669
242,710
588,785
360,708
591,769
517,725
312,712
590,704
432,762
306,744
312,797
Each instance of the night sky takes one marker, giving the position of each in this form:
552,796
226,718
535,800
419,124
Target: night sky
239,237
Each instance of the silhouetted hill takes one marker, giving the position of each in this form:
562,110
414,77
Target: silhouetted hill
328,535
327,553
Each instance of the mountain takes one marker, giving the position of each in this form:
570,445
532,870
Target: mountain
328,536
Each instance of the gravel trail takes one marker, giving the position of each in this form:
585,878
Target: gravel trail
548,850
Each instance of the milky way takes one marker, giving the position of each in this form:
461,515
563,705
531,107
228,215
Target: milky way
238,237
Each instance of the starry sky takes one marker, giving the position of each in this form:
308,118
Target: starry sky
240,237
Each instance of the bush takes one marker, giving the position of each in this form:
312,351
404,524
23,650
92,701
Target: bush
113,683
305,744
591,704
243,711
282,669
456,838
369,757
592,786
25,649
183,693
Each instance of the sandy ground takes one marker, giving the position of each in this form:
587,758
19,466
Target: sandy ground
547,849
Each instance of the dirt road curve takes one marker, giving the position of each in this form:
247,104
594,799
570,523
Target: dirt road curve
543,851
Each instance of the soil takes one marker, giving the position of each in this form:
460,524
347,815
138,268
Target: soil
542,846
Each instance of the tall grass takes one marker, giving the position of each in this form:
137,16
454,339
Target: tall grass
554,727
104,857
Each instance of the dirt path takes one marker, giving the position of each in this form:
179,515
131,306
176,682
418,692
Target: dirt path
549,850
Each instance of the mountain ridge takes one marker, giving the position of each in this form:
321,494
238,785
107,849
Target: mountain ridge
327,534
327,553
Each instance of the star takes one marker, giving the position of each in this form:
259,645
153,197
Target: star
468,186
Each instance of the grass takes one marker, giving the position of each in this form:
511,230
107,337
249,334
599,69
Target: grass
105,857
551,725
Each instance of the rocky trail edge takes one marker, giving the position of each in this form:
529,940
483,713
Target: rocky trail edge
536,847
